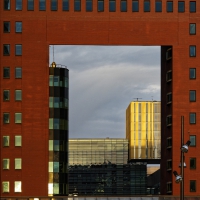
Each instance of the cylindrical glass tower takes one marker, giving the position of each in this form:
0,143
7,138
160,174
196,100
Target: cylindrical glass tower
58,130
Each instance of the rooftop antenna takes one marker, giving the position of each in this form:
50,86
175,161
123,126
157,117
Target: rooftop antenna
152,98
53,53
53,63
137,98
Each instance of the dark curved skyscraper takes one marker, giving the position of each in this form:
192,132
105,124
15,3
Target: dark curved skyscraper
58,130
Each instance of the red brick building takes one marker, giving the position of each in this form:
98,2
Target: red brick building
27,29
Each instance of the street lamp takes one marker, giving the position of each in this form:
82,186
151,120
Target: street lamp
184,149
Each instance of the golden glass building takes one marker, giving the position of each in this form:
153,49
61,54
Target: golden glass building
143,129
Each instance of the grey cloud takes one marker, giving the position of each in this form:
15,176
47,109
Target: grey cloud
103,81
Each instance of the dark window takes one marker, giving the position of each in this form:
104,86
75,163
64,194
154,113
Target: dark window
169,187
169,54
192,29
181,6
112,5
42,4
169,6
169,76
169,120
135,6
169,97
100,5
30,5
88,5
193,140
192,95
18,95
6,4
192,6
6,49
158,6
18,4
123,5
6,72
6,27
6,95
66,5
169,142
18,49
192,73
54,5
192,163
77,5
18,27
192,186
146,6
18,72
192,51
192,118
169,164
6,118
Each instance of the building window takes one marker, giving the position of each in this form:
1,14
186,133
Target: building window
193,6
54,5
18,4
192,95
169,187
18,49
192,185
192,163
192,118
6,72
169,142
181,6
6,163
192,29
192,73
18,186
6,141
146,6
6,4
18,72
6,95
158,6
192,51
169,120
123,5
112,5
6,27
18,118
6,118
18,140
5,186
65,5
193,140
169,165
89,5
100,5
135,6
169,97
30,5
18,27
6,49
169,6
77,5
169,76
169,54
18,95
42,5
18,163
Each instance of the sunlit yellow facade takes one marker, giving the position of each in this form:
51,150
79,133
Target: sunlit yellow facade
143,129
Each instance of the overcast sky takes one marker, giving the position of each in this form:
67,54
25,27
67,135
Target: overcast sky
103,80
